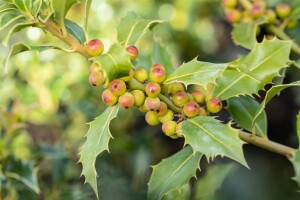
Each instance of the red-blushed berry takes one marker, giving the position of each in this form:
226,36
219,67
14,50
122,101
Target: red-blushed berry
94,68
169,127
168,116
126,100
117,87
108,98
152,89
157,73
97,78
180,98
202,112
258,9
151,118
94,47
214,105
152,103
191,109
139,97
176,87
271,16
229,3
141,75
162,109
283,10
133,52
233,16
199,96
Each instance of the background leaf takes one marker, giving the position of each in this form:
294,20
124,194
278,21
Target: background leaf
173,172
86,16
255,70
196,72
75,30
23,5
97,140
132,27
212,138
243,110
183,193
162,55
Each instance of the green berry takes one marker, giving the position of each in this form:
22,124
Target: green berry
291,24
202,112
157,73
229,3
97,78
133,52
283,10
142,108
271,16
179,129
152,89
162,109
139,97
191,109
199,96
151,118
117,87
166,117
94,68
141,75
108,98
169,127
94,47
214,105
152,103
176,87
180,98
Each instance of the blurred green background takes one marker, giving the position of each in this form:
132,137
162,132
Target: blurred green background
46,102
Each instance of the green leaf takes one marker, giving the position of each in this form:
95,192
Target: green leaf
196,72
97,140
115,63
60,9
17,27
255,70
208,185
244,34
36,6
162,55
173,172
10,18
7,7
75,30
183,193
212,138
86,16
243,110
23,5
272,93
132,27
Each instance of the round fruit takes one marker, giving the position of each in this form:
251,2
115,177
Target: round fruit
151,118
271,16
169,127
157,73
139,97
162,109
126,100
141,75
180,98
191,109
176,87
179,129
291,24
199,96
214,105
257,9
142,108
283,10
166,117
152,89
94,67
97,78
233,15
108,98
94,47
133,52
229,3
152,103
202,112
117,87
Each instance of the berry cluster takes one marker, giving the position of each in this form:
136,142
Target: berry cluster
147,92
236,13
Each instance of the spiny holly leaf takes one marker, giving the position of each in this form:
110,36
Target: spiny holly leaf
183,193
255,70
10,18
75,30
270,94
86,16
60,9
196,72
172,173
162,55
212,138
244,34
207,186
243,110
96,142
115,63
23,5
132,27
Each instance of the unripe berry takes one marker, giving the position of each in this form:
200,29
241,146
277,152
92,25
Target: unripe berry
258,9
108,98
166,117
117,87
180,98
94,68
179,129
214,105
139,97
141,75
152,89
162,109
202,112
271,16
157,73
191,109
151,118
176,87
127,78
229,3
152,103
133,52
142,108
126,100
199,96
94,47
291,24
233,16
283,10
169,127
97,78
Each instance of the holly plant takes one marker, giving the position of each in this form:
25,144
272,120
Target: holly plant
185,101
